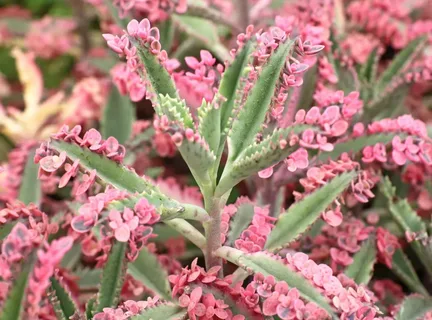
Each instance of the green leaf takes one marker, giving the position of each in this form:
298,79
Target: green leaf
204,31
196,154
364,260
355,145
209,127
120,177
258,156
408,220
159,78
118,116
399,63
30,189
103,64
347,79
402,212
167,208
13,306
121,22
72,257
402,267
242,219
262,263
388,104
124,179
61,300
414,308
112,277
176,111
167,31
90,307
302,214
162,311
109,171
89,279
230,84
252,115
368,70
201,10
307,89
147,269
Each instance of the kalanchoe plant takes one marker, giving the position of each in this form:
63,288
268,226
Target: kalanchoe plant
311,181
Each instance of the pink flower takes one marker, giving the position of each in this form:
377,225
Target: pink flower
297,160
386,245
88,180
146,212
266,173
52,163
192,302
123,224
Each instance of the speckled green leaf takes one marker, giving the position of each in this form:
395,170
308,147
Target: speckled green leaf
241,220
62,300
112,277
163,311
414,308
300,216
399,63
148,270
118,116
13,306
403,268
252,115
266,265
30,189
361,269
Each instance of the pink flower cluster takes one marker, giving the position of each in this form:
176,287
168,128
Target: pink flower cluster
416,147
156,9
128,225
278,299
47,260
387,244
50,161
204,78
195,288
148,37
185,194
316,177
254,237
88,97
133,224
127,310
357,47
88,214
14,249
296,160
40,226
350,104
340,243
128,82
382,18
389,292
350,300
51,37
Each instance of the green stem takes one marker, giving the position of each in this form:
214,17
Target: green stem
230,254
213,206
193,212
239,276
189,231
